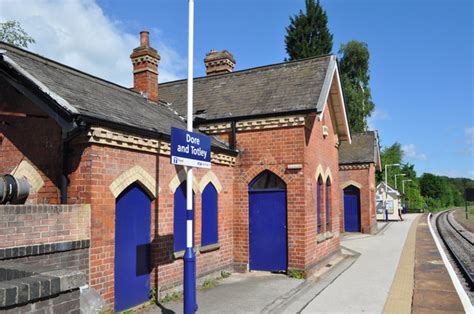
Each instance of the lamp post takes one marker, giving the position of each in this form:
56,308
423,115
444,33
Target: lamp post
385,190
398,175
403,185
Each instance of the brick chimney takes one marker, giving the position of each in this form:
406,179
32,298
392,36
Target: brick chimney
218,62
145,61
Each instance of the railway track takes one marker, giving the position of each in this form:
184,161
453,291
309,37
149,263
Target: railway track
459,243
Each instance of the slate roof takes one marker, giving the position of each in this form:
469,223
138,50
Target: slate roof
278,88
364,149
91,97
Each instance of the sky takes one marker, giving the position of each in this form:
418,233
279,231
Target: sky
421,55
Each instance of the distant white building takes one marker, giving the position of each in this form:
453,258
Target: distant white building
392,204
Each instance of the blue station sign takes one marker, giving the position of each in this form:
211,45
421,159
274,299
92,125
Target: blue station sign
190,149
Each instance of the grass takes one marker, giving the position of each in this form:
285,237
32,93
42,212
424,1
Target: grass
295,273
173,296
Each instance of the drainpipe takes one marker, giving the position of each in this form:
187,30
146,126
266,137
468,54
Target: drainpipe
80,126
64,178
233,135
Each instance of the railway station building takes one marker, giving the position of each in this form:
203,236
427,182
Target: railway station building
272,200
358,163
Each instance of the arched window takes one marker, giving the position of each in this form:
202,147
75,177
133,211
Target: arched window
267,180
328,205
209,226
318,203
179,223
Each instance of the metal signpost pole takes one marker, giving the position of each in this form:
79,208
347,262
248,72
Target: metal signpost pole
190,304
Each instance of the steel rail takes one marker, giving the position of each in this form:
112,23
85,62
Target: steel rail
462,267
456,229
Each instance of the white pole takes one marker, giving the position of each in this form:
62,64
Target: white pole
189,178
190,304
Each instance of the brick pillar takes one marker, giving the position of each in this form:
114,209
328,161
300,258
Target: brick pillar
145,61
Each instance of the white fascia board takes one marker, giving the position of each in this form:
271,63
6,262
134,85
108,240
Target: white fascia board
323,96
343,105
58,99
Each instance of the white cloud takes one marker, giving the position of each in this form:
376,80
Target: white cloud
79,34
377,115
411,153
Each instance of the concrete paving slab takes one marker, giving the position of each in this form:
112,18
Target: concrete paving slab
240,293
364,287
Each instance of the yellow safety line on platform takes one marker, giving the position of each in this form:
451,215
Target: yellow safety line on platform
401,292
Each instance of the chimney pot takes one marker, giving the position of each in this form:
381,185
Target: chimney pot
145,39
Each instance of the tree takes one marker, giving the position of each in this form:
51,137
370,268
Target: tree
390,155
308,34
12,33
354,68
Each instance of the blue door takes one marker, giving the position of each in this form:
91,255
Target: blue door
352,209
132,248
267,223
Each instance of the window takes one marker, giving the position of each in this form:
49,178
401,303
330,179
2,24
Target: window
328,205
267,181
209,226
318,204
179,223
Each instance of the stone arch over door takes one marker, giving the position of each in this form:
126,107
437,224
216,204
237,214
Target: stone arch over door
210,177
179,178
319,173
351,182
328,175
138,175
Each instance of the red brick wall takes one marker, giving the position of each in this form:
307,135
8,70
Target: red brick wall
96,167
366,178
37,224
35,139
323,151
271,149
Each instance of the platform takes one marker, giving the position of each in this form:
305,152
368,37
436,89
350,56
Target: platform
422,283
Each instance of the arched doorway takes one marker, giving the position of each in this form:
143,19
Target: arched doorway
351,209
267,223
132,247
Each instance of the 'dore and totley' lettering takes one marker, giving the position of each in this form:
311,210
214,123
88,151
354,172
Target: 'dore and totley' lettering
196,151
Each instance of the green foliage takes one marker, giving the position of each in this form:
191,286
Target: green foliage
390,155
209,283
152,296
173,296
354,68
308,34
225,274
442,192
295,273
12,33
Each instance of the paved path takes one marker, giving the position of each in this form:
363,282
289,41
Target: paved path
240,293
365,285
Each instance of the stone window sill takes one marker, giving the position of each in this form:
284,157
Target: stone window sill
210,247
324,236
